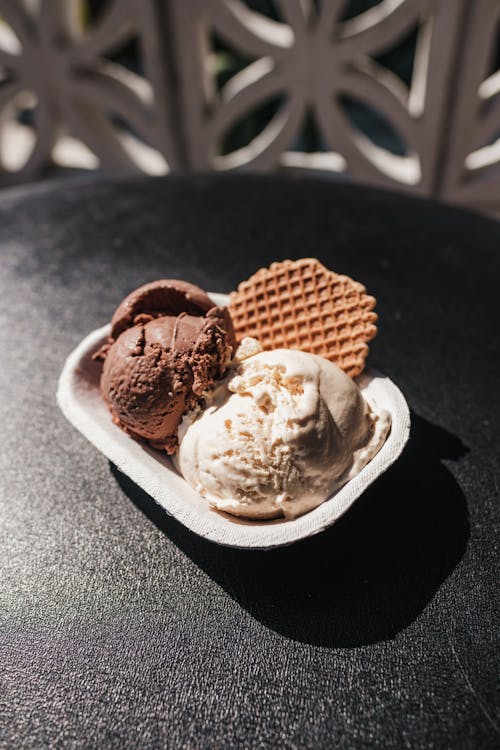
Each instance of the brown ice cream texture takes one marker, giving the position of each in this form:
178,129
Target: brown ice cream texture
168,344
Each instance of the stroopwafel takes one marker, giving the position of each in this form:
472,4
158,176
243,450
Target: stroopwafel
300,304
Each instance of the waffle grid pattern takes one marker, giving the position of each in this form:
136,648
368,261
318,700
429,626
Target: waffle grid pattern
302,305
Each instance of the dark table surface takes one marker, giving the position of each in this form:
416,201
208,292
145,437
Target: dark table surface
121,629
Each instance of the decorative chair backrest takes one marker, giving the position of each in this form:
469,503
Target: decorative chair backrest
403,94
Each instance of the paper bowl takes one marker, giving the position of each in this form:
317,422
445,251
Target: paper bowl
80,401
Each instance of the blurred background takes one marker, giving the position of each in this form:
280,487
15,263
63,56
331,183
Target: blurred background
401,94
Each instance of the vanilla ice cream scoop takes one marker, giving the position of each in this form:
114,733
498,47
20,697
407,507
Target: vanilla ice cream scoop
278,436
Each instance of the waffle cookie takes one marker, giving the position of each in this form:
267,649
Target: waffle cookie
300,304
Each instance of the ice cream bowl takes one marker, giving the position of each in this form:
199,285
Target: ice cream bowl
80,400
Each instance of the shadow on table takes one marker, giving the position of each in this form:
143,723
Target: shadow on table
364,579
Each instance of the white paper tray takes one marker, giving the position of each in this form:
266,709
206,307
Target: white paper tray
80,401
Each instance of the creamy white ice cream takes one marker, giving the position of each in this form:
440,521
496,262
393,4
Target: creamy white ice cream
278,436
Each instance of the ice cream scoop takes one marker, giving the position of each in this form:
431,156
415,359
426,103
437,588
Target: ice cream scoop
280,434
168,343
165,297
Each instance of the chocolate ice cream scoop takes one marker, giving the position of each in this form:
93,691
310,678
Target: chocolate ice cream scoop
168,343
157,299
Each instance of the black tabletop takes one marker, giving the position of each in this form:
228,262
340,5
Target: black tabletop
120,628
